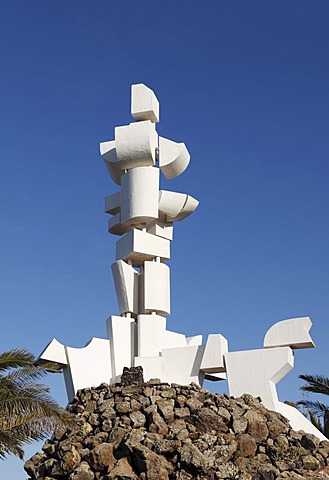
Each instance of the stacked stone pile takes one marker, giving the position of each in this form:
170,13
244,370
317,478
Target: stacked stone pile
156,431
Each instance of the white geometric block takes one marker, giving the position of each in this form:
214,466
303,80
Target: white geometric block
176,206
189,207
54,352
173,340
113,203
144,103
213,357
150,331
171,203
115,226
140,246
292,333
174,157
122,335
257,371
182,365
88,366
153,367
156,288
109,155
136,144
140,195
161,229
195,340
126,286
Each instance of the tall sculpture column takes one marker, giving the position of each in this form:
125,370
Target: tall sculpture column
143,215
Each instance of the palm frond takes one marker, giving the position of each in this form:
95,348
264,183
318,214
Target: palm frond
319,409
315,384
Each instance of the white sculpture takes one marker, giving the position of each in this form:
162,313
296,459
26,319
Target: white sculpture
143,216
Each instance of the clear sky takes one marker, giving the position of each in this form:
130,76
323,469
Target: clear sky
245,85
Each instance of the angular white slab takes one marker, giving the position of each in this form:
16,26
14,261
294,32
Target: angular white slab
109,155
140,246
121,333
189,207
116,227
173,340
257,372
150,331
126,286
54,352
292,333
174,157
176,206
88,366
182,365
195,340
144,103
136,145
140,195
213,357
161,229
171,203
156,288
153,367
113,203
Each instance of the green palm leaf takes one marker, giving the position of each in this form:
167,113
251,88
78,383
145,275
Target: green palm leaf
27,412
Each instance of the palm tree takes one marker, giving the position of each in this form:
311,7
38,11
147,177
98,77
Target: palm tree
27,412
318,412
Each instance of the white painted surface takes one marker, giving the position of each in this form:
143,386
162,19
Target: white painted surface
136,144
293,333
126,286
140,246
140,195
213,357
121,333
113,203
161,229
297,420
88,366
174,157
150,330
156,288
144,103
109,155
182,365
257,372
54,352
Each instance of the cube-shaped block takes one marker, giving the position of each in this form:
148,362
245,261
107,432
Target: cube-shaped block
140,246
144,103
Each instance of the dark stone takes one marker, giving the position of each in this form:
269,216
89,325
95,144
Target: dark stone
133,375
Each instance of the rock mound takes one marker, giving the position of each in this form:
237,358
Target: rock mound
156,431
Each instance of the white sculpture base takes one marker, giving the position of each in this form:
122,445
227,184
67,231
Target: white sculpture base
174,358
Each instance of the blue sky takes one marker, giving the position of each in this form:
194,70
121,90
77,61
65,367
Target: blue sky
245,85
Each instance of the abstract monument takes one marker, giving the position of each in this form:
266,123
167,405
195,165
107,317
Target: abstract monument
143,216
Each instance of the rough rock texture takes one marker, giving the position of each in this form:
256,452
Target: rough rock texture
156,431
